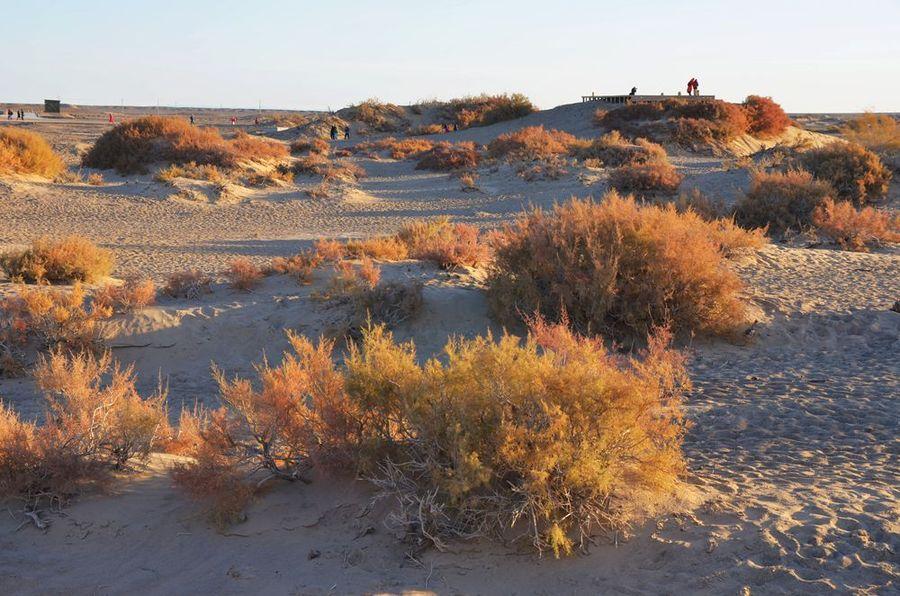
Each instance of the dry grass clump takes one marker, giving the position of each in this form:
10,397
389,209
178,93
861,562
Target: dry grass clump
855,229
26,152
192,170
134,294
329,249
190,284
766,118
425,129
407,148
71,259
445,157
386,303
300,265
448,244
243,274
619,267
483,110
614,150
331,170
349,281
876,132
512,440
468,182
387,248
551,169
856,173
95,422
781,201
646,178
379,116
310,146
95,179
278,176
531,143
131,146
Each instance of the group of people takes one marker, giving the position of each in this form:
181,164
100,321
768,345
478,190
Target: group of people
693,87
335,132
20,114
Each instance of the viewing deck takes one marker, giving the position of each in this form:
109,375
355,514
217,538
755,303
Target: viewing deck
643,98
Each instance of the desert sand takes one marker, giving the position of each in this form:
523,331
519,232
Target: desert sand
794,452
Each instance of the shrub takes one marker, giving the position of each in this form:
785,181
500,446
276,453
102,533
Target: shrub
300,265
855,229
135,293
876,132
131,146
388,248
766,118
445,156
349,281
614,150
71,259
620,118
617,267
495,435
646,178
552,169
856,173
329,249
190,284
531,143
425,129
389,304
95,179
243,274
484,110
468,182
311,146
380,116
207,172
408,148
781,200
26,152
447,244
330,170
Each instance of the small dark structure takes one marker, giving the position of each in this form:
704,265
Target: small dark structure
51,106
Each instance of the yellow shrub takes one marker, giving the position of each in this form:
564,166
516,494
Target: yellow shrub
856,173
26,152
135,293
855,229
243,274
71,259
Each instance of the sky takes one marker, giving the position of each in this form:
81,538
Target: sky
809,55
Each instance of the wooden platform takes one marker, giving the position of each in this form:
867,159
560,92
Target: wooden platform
644,98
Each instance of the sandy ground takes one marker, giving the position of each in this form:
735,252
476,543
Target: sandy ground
794,456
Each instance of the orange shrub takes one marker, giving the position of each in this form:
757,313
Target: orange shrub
426,129
189,284
300,265
26,152
329,249
380,116
408,148
614,150
877,132
447,156
616,266
766,118
131,146
646,178
855,229
311,146
243,274
135,293
856,173
337,170
531,143
483,110
447,244
71,259
781,201
388,248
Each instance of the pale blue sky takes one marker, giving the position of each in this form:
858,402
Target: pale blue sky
822,55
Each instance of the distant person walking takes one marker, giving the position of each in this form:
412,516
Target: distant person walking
334,132
111,119
346,133
9,113
633,91
192,119
233,120
693,87
445,128
696,87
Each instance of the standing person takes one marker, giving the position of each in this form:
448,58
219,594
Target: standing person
633,91
334,132
347,133
233,120
696,87
9,113
690,88
192,119
444,127
455,127
111,119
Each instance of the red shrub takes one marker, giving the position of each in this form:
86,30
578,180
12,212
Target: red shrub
447,156
767,118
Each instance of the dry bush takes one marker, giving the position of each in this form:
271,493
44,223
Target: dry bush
781,201
300,265
278,176
444,157
425,129
856,173
447,244
387,248
498,438
766,118
855,229
348,281
619,267
552,169
95,179
135,293
876,132
483,110
243,274
192,170
71,259
389,304
379,116
337,170
328,249
614,150
95,422
319,191
531,143
468,182
26,152
408,148
646,178
310,146
190,284
131,146
706,207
